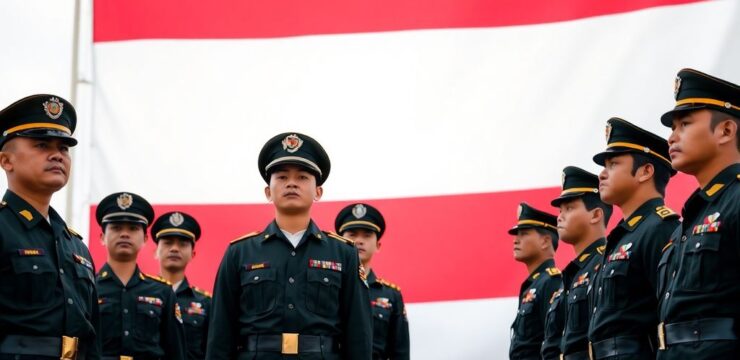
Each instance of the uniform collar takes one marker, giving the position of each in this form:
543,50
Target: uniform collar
540,269
184,286
720,182
21,208
597,247
273,231
371,278
641,214
107,273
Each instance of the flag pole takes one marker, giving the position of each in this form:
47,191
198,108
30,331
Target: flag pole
69,213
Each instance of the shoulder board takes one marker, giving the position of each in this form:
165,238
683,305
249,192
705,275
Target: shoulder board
158,279
667,246
245,237
73,232
665,213
601,249
343,239
553,271
201,291
389,284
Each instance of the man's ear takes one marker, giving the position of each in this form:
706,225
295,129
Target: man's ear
268,194
645,172
319,193
726,131
597,215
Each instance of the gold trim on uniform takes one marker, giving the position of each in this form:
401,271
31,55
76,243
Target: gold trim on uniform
174,230
37,126
638,147
707,101
359,222
535,222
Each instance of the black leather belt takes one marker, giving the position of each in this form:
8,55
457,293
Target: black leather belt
291,343
64,347
697,330
581,355
621,345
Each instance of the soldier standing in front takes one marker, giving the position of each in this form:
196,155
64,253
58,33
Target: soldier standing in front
622,297
699,272
292,290
48,300
175,234
534,245
365,225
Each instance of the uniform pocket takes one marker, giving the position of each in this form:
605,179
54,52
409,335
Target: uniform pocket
259,290
381,322
702,262
578,308
35,280
553,319
528,320
615,284
148,317
663,277
322,291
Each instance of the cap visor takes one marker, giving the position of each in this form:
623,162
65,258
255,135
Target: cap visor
601,157
563,198
667,118
359,226
124,219
48,133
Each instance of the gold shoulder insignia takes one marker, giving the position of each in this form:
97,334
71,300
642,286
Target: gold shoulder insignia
601,249
245,237
201,291
665,213
738,177
535,276
340,238
714,189
72,232
667,246
553,271
157,278
390,284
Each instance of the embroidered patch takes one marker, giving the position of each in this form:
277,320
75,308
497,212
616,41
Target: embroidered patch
178,313
555,295
82,261
31,252
257,266
196,308
381,302
529,296
582,280
325,264
709,225
622,253
150,300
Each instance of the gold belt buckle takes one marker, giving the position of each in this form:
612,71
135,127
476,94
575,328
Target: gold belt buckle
69,348
590,351
661,336
124,357
290,344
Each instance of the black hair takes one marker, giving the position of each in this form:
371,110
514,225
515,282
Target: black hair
593,201
662,172
553,236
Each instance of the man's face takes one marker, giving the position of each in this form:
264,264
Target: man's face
574,221
692,141
37,164
616,182
528,245
366,242
292,189
123,240
174,253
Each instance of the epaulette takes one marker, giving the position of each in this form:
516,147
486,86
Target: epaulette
667,246
340,238
201,291
157,278
553,271
389,284
245,237
601,249
665,213
73,232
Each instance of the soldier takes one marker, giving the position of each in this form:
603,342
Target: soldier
535,244
365,225
582,224
139,315
48,301
699,290
175,234
636,172
291,290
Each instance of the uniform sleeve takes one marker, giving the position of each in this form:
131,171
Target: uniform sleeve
206,326
171,330
223,323
94,350
399,331
550,287
656,241
355,312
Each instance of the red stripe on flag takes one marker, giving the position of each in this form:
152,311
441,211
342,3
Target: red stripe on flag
435,248
229,19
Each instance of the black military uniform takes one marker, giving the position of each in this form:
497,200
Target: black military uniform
622,297
566,326
48,300
195,303
140,320
537,291
390,324
275,301
699,291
